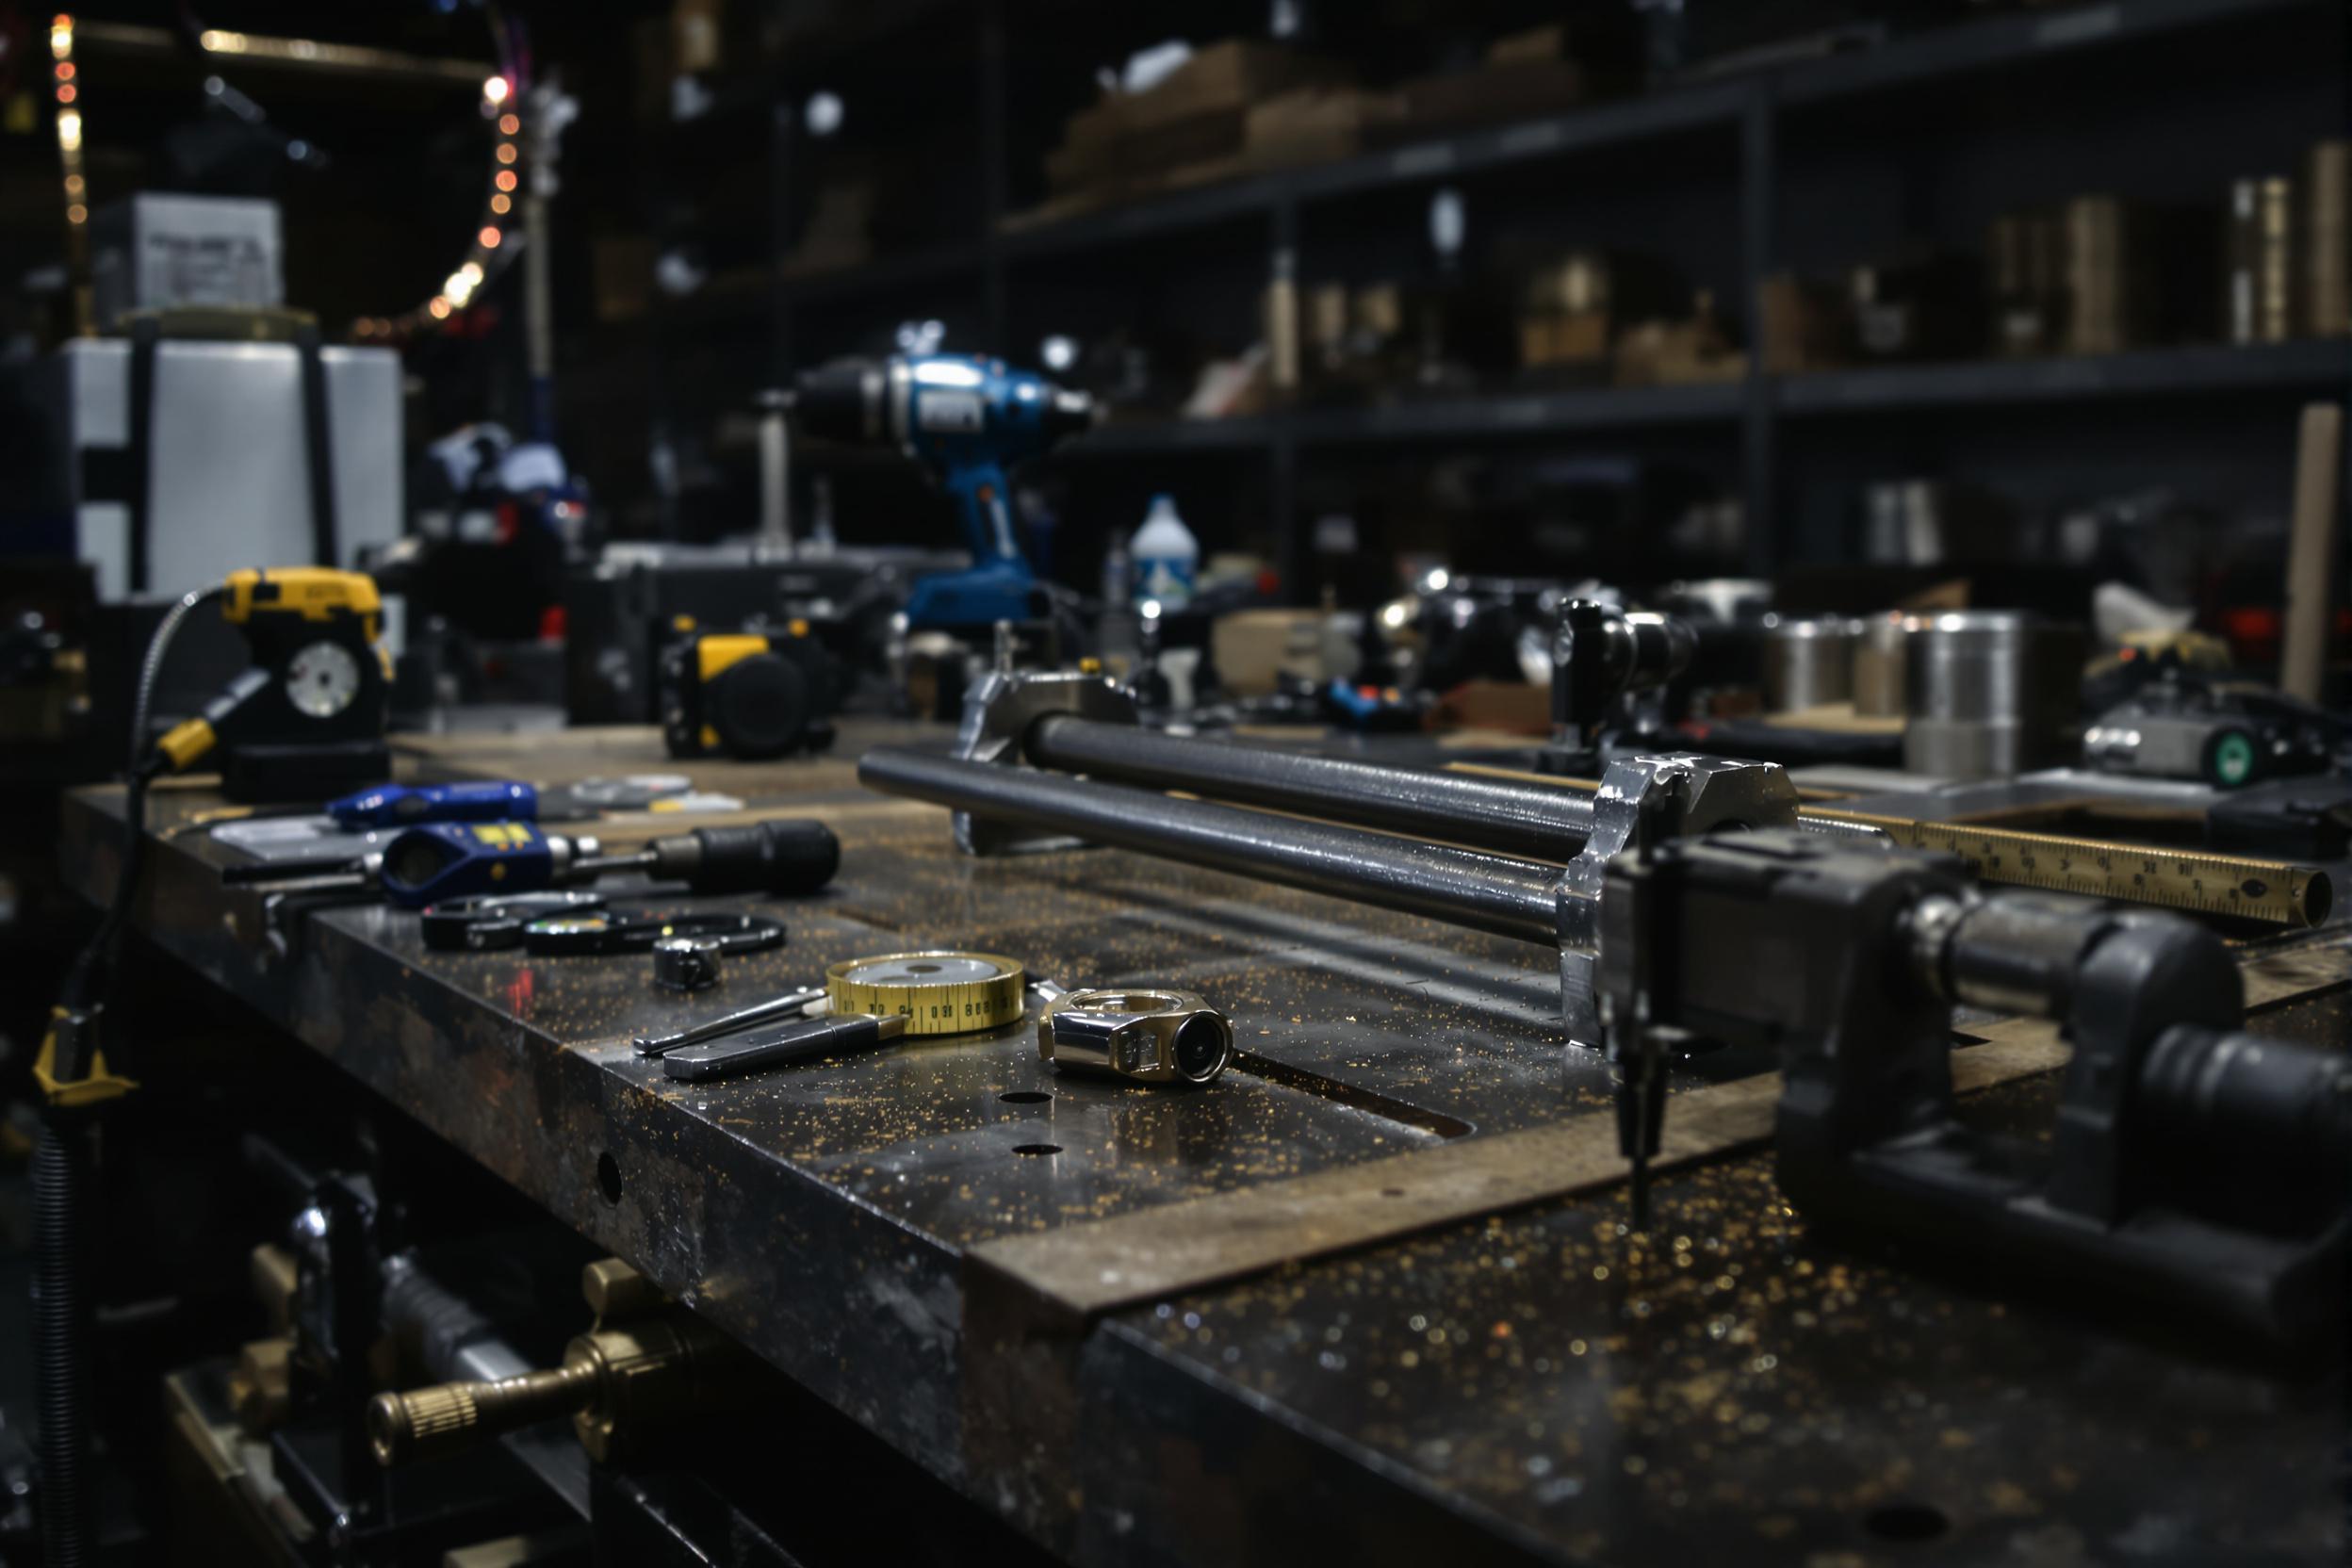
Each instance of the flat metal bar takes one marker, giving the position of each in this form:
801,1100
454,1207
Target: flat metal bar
1485,892
1512,819
1062,1277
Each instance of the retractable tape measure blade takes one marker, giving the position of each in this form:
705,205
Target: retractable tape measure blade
2275,891
936,994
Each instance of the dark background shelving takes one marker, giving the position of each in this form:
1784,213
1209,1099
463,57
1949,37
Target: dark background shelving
1812,166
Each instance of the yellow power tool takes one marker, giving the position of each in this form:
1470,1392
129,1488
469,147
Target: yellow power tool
306,721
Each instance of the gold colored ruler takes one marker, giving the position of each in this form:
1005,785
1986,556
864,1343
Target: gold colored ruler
2275,891
936,994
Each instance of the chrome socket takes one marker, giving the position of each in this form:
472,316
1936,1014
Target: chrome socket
1146,1037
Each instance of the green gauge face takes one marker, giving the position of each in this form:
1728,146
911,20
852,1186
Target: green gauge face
322,679
2233,758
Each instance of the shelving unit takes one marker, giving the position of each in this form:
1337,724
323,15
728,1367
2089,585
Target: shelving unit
1746,119
2317,366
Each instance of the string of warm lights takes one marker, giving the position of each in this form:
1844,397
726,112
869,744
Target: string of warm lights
69,96
500,105
490,252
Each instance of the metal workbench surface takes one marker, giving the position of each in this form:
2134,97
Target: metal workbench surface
1534,1385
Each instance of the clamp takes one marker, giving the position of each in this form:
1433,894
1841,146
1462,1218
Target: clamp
95,1084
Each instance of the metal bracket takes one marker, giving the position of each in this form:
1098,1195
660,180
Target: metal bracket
1694,795
998,714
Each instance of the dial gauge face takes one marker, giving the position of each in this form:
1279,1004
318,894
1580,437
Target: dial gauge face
323,680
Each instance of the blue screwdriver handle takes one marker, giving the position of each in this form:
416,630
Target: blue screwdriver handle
414,804
456,859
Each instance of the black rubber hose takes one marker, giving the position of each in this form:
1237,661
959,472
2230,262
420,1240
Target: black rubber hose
61,1319
62,1179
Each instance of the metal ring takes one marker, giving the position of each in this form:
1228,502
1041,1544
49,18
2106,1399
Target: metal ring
488,922
687,963
628,932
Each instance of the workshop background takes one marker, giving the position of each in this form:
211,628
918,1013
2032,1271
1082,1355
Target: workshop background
738,416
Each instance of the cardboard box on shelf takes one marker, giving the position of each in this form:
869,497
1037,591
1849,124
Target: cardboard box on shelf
1572,301
1568,339
1490,93
1225,76
1196,124
1679,353
1803,325
1316,124
1552,67
159,250
1255,648
698,35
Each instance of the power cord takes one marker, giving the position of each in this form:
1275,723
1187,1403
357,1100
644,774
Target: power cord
93,966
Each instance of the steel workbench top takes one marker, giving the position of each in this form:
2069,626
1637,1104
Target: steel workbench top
1528,1385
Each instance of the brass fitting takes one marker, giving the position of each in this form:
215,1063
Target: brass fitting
643,1362
1147,1036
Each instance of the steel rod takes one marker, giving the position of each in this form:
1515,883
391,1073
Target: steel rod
1540,821
1512,819
1485,892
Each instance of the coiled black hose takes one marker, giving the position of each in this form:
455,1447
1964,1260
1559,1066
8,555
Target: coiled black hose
61,1318
61,1161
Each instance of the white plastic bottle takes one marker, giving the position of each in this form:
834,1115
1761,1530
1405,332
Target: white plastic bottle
1166,556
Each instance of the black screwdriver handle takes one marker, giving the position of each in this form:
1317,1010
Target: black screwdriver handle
791,856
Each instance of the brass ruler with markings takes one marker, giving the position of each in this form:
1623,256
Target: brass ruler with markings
2277,892
2274,891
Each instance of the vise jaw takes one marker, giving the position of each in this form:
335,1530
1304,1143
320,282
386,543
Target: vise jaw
1693,795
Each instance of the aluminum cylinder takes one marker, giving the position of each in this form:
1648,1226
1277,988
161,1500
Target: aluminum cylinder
1807,663
1990,693
1882,650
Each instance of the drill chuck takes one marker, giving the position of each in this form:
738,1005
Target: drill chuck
843,402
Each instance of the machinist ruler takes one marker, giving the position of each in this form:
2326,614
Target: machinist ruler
2274,892
2277,892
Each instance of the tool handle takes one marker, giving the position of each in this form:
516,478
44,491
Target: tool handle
784,857
804,1041
405,804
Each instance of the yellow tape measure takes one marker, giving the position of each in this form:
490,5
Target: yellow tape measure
2273,890
936,994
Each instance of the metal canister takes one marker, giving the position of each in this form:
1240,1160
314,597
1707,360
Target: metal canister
1807,663
1990,693
1881,648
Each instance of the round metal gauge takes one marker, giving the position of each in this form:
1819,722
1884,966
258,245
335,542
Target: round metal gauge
938,993
322,679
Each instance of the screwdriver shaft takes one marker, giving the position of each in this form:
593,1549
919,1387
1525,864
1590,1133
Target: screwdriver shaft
774,1010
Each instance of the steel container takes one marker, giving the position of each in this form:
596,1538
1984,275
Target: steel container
1881,649
1990,693
1807,663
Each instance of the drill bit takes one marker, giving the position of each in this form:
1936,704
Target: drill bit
1640,1116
